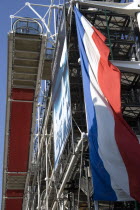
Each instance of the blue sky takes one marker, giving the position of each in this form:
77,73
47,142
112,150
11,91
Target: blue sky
8,7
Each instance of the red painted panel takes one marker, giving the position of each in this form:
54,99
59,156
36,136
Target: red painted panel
22,94
20,127
14,193
13,204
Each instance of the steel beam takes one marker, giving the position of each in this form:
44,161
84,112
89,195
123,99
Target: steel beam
127,66
38,82
124,8
71,164
10,56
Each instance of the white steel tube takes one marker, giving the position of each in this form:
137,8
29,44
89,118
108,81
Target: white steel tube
54,21
130,8
96,206
42,5
46,174
138,19
74,156
40,68
43,21
18,17
38,180
10,55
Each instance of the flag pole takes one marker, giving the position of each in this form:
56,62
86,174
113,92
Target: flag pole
138,19
96,206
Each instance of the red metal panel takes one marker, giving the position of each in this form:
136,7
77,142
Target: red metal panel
14,193
22,94
20,126
13,204
19,142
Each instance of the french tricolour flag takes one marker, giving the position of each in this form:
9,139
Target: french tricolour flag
114,148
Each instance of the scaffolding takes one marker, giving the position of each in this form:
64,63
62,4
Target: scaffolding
32,49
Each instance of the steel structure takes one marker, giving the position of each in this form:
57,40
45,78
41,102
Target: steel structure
30,180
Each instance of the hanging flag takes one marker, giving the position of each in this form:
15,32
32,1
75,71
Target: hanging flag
114,148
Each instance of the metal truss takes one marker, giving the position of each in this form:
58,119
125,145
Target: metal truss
121,33
119,30
20,27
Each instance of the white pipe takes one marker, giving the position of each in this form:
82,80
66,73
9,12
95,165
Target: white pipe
40,69
130,8
138,19
41,144
43,21
96,206
74,157
42,5
47,176
54,21
9,78
38,180
20,17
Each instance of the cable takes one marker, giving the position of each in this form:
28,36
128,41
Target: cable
108,34
20,10
77,125
80,177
